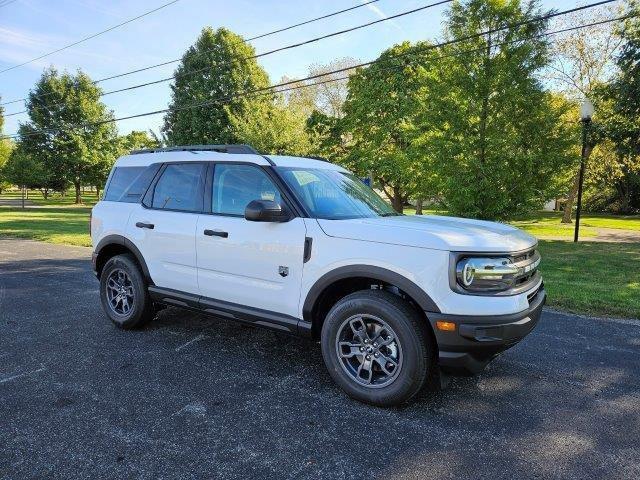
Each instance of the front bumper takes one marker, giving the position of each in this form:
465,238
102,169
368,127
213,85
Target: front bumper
476,340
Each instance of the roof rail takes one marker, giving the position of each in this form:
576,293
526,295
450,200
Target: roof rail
231,148
315,157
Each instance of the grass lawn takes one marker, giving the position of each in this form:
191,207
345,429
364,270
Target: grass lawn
67,225
590,278
55,220
547,224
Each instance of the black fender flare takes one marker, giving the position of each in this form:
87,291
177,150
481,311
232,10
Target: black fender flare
424,301
129,245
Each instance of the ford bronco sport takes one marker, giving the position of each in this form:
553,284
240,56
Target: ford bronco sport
303,246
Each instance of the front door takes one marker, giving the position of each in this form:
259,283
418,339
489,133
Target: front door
164,229
246,263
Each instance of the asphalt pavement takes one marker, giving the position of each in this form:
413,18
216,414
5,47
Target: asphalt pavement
192,396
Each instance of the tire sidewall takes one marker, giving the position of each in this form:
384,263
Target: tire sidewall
140,301
415,358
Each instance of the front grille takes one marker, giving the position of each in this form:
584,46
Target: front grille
527,263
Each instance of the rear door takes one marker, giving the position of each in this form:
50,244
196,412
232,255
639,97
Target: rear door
249,264
163,227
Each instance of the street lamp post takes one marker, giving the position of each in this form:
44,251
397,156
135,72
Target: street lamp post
586,112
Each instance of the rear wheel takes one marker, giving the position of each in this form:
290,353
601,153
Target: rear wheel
123,293
377,348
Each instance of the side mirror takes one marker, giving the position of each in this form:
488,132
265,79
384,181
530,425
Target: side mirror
266,211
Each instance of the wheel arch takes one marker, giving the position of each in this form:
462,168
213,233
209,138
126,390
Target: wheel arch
345,280
113,245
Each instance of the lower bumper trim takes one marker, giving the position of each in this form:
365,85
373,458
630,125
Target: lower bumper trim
478,339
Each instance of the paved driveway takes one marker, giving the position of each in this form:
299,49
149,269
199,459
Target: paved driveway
196,397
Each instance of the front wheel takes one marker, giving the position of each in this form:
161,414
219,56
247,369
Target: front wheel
377,348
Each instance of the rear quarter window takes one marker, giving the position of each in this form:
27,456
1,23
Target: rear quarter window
128,184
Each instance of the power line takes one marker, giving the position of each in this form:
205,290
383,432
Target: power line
8,2
273,88
77,42
263,54
273,32
149,67
252,57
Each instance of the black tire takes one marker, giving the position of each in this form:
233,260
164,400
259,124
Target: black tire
416,346
142,309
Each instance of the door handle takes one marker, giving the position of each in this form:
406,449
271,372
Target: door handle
145,225
216,233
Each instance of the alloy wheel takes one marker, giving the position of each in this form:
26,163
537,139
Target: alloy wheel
120,296
369,351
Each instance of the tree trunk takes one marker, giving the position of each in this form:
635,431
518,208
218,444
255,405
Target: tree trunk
98,192
397,200
23,190
419,206
568,206
78,195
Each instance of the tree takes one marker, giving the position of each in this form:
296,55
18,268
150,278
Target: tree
6,146
622,125
379,122
23,170
495,135
582,60
217,66
273,128
69,129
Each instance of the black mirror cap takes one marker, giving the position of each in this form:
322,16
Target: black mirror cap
266,211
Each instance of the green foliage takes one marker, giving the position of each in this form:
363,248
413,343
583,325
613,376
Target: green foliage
381,111
325,136
277,128
494,136
622,118
24,170
217,66
136,140
6,146
67,134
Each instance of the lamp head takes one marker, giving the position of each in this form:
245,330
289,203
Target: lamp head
586,110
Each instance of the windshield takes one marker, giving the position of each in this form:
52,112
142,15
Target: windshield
334,195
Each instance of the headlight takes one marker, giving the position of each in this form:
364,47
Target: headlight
478,274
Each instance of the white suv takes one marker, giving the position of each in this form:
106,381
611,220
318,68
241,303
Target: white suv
303,246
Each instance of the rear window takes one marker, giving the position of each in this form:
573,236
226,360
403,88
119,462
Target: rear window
128,184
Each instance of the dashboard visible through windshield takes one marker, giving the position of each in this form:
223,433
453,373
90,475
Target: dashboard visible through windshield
334,195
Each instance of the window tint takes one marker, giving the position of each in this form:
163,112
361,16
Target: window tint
128,184
121,179
234,186
180,187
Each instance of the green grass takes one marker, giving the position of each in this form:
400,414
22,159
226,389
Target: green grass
64,224
547,224
592,278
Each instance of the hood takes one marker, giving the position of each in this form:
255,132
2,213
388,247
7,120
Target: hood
432,231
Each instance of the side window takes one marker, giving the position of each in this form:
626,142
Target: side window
180,187
128,184
234,186
121,180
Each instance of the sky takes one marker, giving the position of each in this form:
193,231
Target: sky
29,28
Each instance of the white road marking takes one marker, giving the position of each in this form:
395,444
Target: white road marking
193,340
20,375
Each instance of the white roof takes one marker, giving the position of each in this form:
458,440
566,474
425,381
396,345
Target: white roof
144,159
287,161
